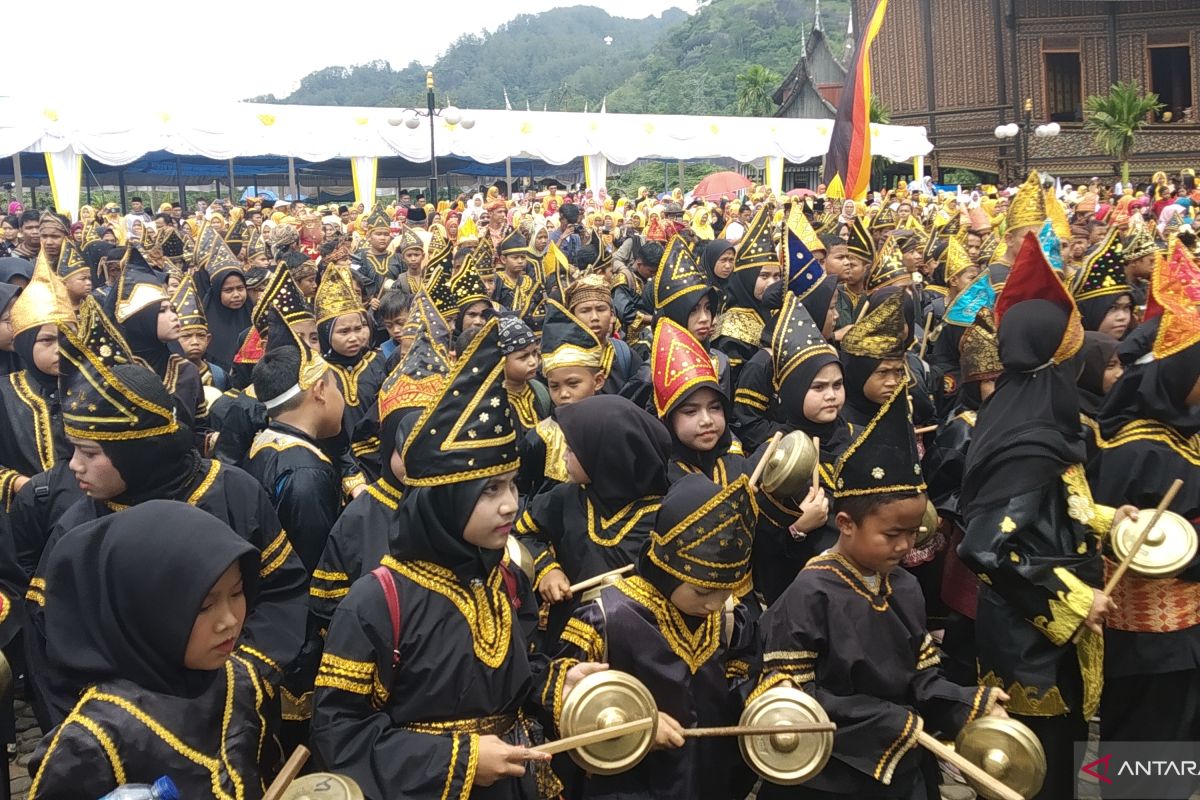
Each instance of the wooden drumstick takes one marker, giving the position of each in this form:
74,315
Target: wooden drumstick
925,429
288,774
595,737
596,580
817,465
925,338
1119,572
994,786
762,462
759,730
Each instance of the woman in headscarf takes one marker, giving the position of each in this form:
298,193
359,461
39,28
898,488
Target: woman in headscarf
145,609
425,668
873,353
1148,427
1099,369
227,308
1033,530
15,271
742,328
616,460
10,362
717,259
119,464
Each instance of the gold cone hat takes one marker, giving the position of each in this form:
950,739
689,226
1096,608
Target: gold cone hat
43,302
1028,207
336,295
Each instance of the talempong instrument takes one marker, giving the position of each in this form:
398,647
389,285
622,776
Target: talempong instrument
609,722
788,469
1168,548
1000,757
323,786
291,768
519,556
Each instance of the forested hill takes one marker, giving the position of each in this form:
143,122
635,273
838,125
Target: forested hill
674,63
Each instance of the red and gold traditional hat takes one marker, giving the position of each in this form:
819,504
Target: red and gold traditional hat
1032,278
1176,285
679,365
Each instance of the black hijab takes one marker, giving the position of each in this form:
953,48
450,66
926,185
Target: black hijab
225,324
859,409
1156,390
23,344
1093,310
325,335
709,256
123,592
622,448
703,460
1028,431
93,253
9,362
141,332
1098,349
432,520
13,267
160,467
835,436
819,302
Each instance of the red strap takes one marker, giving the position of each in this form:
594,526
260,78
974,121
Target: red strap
384,576
510,586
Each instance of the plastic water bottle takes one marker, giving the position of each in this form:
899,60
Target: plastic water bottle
162,789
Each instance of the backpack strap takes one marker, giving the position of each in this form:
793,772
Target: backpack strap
510,586
388,584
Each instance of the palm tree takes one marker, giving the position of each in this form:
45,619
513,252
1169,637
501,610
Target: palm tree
1116,117
755,87
878,112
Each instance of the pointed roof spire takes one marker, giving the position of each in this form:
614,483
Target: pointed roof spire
849,49
604,105
526,103
817,18
507,104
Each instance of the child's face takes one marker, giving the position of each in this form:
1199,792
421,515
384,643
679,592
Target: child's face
700,319
884,536
495,511
413,257
825,396
94,471
766,276
219,624
307,285
521,365
575,471
395,325
349,335
597,315
698,601
882,383
168,322
699,422
515,263
194,343
854,270
571,384
332,405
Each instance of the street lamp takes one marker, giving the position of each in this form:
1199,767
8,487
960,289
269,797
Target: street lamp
411,119
1013,129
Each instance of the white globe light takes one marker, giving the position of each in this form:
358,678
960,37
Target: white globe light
395,122
452,115
412,122
468,123
1001,132
1013,129
1055,128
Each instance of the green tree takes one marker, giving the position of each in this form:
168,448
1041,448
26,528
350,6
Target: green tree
878,112
755,86
1115,119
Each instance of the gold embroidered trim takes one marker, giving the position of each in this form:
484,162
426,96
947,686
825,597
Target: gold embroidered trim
485,607
385,494
349,378
43,434
1068,610
838,565
627,518
214,467
555,467
1080,505
552,691
585,637
742,324
524,407
1151,430
693,648
270,439
906,741
106,742
768,682
1026,700
494,725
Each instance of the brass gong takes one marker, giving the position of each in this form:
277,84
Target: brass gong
322,786
591,594
211,395
788,473
929,523
519,556
602,700
785,758
1005,749
1168,548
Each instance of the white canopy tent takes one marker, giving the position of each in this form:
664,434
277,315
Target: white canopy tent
118,134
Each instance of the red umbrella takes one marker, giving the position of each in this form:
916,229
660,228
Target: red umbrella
720,183
801,193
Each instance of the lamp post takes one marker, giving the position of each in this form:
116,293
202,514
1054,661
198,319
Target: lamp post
1023,128
411,119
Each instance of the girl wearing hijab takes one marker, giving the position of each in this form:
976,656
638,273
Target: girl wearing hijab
227,308
31,427
717,259
1033,530
425,666
667,625
148,320
1099,368
873,354
10,362
345,340
130,449
756,266
685,295
1102,290
1149,424
693,406
155,652
616,463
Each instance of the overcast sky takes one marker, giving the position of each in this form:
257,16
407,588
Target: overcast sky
241,49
